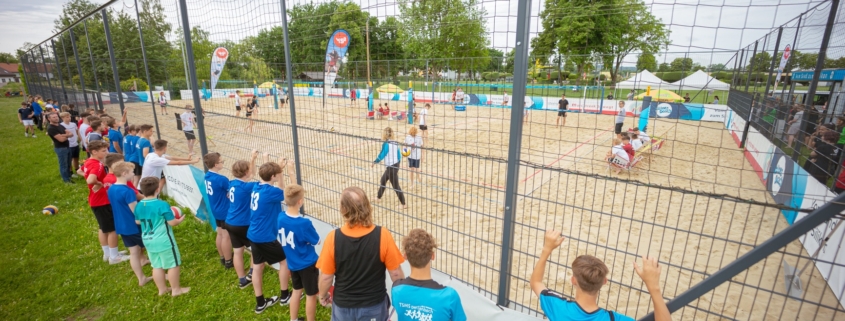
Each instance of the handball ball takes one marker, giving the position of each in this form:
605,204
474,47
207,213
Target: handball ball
406,151
50,210
177,213
332,129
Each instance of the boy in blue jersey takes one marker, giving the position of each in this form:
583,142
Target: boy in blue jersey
123,197
589,274
216,186
115,137
143,147
418,297
298,237
37,113
237,220
157,221
129,146
265,206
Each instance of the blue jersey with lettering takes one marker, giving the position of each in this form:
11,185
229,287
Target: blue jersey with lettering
120,196
557,307
239,198
114,137
217,186
139,149
417,300
129,148
298,237
265,204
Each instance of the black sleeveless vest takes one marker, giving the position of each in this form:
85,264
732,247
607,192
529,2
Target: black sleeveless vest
360,273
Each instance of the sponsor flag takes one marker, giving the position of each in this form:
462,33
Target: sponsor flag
783,60
218,60
335,55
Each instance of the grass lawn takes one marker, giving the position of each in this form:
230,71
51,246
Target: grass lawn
52,266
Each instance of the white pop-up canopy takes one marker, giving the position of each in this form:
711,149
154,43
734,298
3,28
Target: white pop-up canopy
642,80
700,80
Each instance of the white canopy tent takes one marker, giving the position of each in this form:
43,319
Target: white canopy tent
700,80
642,80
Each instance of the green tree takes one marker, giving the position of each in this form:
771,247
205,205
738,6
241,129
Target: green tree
571,28
681,64
6,57
452,29
634,28
664,67
716,67
497,59
646,61
509,60
760,62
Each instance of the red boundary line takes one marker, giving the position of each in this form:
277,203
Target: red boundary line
567,154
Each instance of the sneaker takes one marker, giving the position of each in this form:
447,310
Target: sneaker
229,264
119,259
75,175
244,282
249,275
26,134
33,135
285,300
222,261
105,257
268,302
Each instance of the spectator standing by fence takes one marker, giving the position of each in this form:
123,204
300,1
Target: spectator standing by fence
61,145
355,257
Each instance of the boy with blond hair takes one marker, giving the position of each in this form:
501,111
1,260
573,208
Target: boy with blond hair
123,198
129,154
298,237
157,221
216,187
237,219
589,274
265,206
94,173
418,297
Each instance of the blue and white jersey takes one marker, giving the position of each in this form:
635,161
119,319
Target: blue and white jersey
416,300
217,188
389,153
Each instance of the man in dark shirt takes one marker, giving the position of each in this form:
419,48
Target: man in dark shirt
61,146
562,106
25,115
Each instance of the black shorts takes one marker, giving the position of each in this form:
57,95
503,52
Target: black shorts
238,236
561,113
132,240
413,163
138,169
189,134
619,128
248,114
423,127
238,108
105,217
270,253
220,223
74,152
307,278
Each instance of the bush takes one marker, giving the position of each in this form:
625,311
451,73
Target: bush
12,87
175,85
127,84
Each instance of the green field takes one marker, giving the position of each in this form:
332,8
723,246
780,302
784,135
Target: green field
52,268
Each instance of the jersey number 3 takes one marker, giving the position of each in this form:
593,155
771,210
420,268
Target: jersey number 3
254,202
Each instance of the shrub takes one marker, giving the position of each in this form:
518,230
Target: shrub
125,85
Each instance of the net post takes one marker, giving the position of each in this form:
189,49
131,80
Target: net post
291,100
78,66
772,65
814,84
113,63
514,149
147,71
192,75
59,68
751,104
47,72
94,68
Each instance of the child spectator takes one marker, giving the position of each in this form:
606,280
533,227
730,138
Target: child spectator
157,221
620,119
589,274
617,154
644,138
822,157
108,162
237,219
73,141
155,162
115,137
636,143
265,207
25,116
414,142
123,197
162,103
418,294
188,124
95,132
626,145
129,154
143,147
298,237
216,186
95,172
250,108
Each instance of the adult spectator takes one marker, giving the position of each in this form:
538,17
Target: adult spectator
60,136
355,257
630,95
37,111
686,98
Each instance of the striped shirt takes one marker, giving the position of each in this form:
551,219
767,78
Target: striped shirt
389,153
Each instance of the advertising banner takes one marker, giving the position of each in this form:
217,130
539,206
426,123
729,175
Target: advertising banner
218,61
335,53
183,185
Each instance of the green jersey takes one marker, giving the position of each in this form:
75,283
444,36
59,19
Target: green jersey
155,232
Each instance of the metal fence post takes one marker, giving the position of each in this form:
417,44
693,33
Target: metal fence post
192,73
93,67
147,71
61,79
751,66
291,103
811,92
514,148
67,64
47,73
25,77
78,67
772,66
751,104
113,63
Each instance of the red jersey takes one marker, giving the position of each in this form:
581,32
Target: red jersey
840,181
111,179
630,150
99,197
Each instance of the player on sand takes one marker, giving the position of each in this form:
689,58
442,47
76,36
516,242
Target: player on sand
157,221
414,142
391,156
589,274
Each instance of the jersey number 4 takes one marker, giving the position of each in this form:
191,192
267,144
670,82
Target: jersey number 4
254,201
286,239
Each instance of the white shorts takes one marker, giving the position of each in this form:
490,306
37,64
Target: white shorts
28,122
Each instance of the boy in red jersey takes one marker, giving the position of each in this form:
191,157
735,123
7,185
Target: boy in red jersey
95,172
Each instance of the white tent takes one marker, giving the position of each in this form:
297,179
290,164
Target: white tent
641,80
700,80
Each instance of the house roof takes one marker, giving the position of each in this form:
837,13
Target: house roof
11,68
38,67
